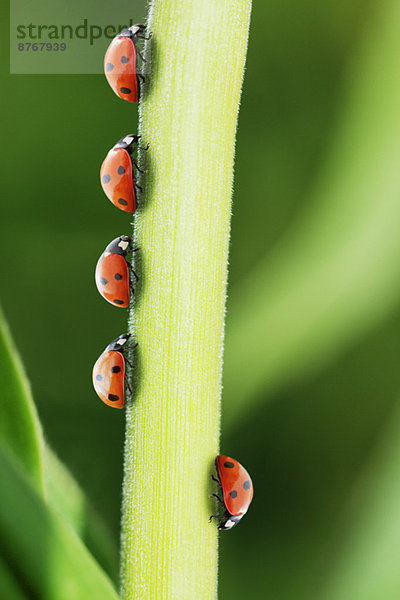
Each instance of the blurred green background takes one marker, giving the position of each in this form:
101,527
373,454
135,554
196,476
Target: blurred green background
311,379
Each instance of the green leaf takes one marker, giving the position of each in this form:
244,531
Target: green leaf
10,588
46,553
19,424
20,429
69,502
367,566
336,273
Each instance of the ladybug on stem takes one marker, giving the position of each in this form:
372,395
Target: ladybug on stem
112,272
117,174
120,63
237,491
109,373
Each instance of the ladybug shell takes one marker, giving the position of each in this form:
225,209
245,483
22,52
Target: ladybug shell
112,279
121,70
237,487
109,378
116,175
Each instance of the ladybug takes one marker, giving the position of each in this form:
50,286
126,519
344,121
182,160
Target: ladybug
120,63
112,272
117,173
237,491
109,373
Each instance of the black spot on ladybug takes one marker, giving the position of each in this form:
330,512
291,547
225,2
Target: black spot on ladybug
116,369
103,280
125,90
99,377
247,485
118,276
122,201
113,397
228,464
106,178
109,67
121,170
118,301
124,59
233,494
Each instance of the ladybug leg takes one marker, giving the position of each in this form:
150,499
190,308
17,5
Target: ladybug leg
143,37
216,480
128,386
141,55
129,363
137,147
139,187
213,517
218,498
137,166
133,272
141,77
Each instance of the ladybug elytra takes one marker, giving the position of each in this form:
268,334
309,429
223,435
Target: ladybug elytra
109,373
237,491
117,174
120,63
112,272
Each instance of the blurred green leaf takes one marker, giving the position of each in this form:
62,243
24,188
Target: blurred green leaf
305,453
19,424
337,271
367,563
46,553
9,587
68,501
20,429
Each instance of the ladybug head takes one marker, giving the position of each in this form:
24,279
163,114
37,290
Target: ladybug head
228,521
121,245
133,32
128,143
137,29
119,343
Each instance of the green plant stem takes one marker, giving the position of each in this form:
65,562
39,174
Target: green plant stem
188,117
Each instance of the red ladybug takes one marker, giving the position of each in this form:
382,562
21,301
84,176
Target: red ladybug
109,373
120,63
112,272
237,490
117,175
